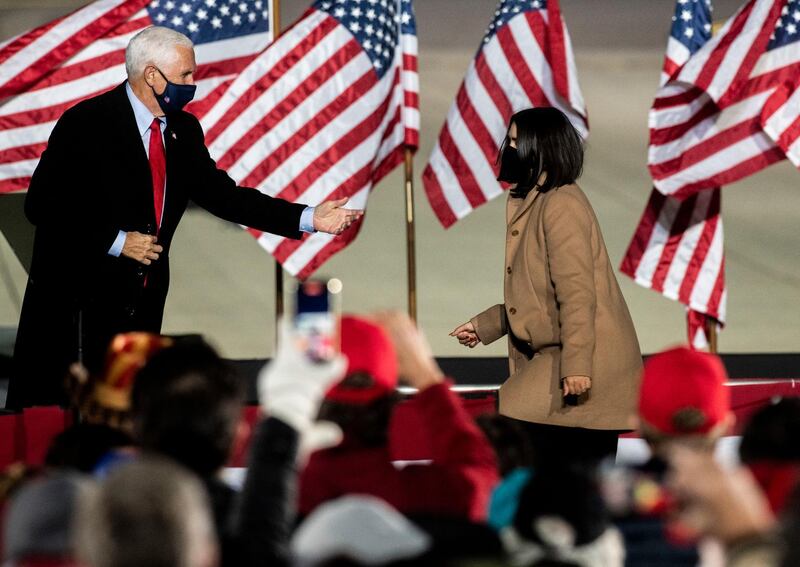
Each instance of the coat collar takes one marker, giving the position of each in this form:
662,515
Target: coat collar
514,213
129,129
142,115
526,204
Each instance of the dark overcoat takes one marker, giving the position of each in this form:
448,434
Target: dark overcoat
92,181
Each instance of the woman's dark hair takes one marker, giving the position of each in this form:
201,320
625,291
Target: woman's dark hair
570,493
547,142
368,423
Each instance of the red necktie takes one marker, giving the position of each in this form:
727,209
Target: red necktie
158,168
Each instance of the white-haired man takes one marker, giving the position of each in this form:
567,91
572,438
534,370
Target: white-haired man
106,198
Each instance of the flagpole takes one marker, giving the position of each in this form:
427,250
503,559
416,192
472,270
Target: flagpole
276,32
411,254
711,334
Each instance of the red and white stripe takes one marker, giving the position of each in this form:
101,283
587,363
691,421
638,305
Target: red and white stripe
677,248
309,120
30,56
677,251
27,119
698,325
722,127
727,59
677,56
527,63
781,120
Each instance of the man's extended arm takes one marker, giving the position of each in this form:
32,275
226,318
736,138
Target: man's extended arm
214,190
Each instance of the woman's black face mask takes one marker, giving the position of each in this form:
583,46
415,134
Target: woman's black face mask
512,170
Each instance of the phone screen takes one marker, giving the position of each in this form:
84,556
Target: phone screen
316,318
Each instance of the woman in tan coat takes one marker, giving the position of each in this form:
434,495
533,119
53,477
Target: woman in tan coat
573,353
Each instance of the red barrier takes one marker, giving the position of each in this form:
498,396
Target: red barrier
748,396
26,436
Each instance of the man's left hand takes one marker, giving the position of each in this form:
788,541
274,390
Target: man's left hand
330,217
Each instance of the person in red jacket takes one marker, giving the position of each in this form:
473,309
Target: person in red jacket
457,483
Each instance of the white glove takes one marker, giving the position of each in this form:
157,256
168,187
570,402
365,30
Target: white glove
291,387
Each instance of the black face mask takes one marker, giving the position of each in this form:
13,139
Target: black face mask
512,170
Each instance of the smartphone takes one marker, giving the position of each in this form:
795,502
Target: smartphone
317,309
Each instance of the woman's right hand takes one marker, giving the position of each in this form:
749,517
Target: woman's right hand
466,334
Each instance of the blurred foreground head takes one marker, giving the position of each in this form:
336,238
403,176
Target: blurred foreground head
371,356
186,404
39,521
357,530
771,451
362,403
147,512
562,520
683,395
104,398
510,443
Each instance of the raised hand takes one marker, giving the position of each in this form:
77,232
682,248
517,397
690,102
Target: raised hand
416,364
725,503
291,386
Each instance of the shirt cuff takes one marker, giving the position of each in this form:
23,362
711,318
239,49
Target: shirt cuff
307,220
119,242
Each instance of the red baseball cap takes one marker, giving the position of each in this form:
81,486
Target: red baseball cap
683,392
369,350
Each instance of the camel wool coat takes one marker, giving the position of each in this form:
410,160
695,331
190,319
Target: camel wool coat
564,315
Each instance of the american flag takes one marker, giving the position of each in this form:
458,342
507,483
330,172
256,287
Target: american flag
780,117
691,29
729,111
677,249
525,60
47,70
325,112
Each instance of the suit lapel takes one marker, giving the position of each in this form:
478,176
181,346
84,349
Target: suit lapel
131,144
170,148
131,137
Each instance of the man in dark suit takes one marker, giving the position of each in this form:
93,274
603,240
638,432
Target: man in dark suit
106,198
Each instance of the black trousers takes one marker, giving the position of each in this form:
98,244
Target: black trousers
557,446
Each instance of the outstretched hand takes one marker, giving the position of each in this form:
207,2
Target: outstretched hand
466,335
330,217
